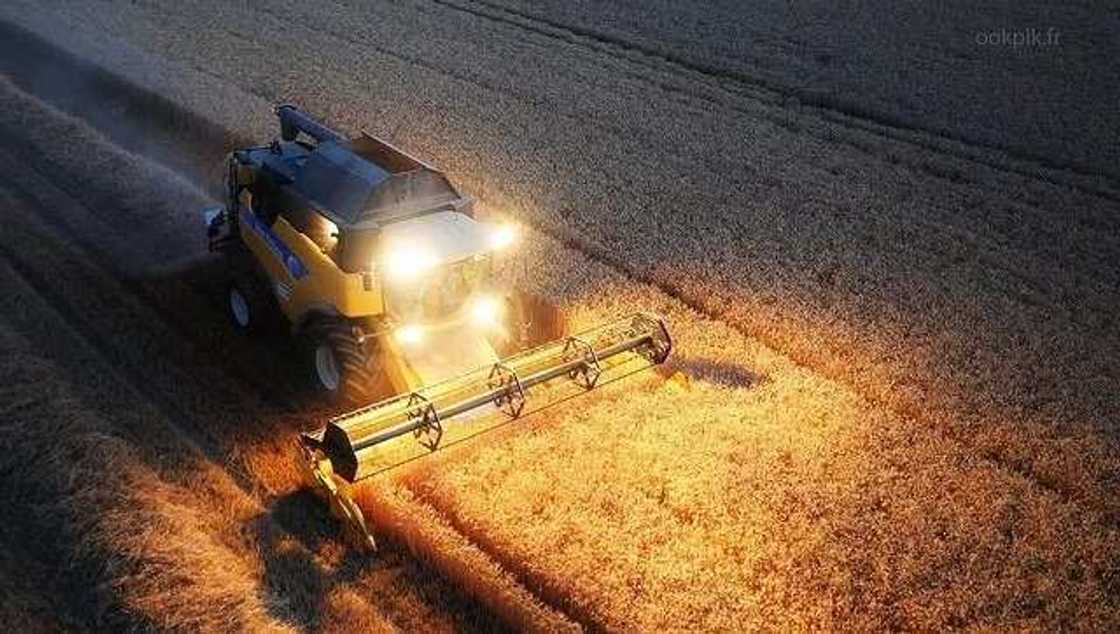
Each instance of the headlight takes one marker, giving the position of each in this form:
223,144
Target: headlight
486,311
407,262
502,237
409,335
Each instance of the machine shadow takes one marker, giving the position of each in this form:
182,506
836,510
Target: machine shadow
305,561
262,374
720,373
289,569
292,535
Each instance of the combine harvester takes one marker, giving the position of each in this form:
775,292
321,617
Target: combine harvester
386,279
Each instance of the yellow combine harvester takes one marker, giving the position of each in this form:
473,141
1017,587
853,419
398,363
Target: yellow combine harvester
387,280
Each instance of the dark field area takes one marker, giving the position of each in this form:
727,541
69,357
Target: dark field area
888,247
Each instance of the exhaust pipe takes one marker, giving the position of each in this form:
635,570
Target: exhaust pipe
293,121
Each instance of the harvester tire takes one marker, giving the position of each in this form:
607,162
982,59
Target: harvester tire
533,320
339,363
249,303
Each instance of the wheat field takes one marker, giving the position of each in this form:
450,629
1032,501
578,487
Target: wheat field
892,402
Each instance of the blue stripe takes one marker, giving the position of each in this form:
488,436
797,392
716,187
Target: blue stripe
291,261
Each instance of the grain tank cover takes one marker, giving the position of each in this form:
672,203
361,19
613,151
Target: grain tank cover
339,181
363,181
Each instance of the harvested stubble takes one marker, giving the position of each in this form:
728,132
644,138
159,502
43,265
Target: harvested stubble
920,271
124,547
26,607
118,476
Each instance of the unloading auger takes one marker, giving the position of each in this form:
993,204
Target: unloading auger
386,279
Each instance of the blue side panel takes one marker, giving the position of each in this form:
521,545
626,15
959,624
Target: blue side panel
291,262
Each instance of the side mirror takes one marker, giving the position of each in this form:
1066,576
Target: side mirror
213,217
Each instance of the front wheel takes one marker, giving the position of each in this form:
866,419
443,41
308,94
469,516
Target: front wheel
248,304
340,365
249,301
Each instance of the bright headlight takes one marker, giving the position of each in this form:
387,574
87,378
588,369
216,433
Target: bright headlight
409,335
486,311
407,262
503,236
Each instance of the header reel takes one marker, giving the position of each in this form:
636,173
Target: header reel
384,435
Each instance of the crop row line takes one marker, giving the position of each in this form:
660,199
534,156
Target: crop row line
771,94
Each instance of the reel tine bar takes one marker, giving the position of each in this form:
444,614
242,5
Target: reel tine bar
587,373
510,396
430,430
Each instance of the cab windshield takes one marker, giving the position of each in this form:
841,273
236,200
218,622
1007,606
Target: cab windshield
439,294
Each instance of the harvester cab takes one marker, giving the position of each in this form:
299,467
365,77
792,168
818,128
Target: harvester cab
386,278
